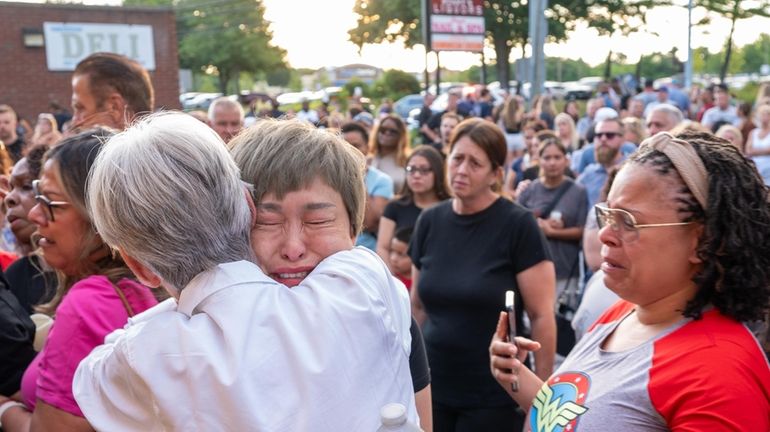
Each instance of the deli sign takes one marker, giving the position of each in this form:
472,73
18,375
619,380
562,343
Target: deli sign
66,44
457,25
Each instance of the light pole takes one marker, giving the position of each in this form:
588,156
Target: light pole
688,65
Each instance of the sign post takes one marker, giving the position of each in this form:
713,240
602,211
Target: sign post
456,25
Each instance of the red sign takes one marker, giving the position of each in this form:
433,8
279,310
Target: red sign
457,7
457,24
457,42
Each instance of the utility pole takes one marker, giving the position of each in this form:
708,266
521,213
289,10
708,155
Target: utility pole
688,65
426,38
483,69
538,29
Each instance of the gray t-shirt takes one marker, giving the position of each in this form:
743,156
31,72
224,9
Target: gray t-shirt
572,207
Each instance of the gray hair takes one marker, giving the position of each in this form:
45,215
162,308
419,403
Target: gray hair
674,114
283,156
224,102
168,194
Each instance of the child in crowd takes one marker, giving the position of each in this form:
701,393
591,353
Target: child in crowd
400,263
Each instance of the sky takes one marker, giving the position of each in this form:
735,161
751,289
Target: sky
314,34
317,37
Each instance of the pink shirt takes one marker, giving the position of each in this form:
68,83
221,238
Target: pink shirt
90,311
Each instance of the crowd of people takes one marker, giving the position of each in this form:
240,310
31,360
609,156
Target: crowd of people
225,270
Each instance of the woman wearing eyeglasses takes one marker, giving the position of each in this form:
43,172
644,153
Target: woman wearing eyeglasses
686,246
467,252
95,295
390,147
29,278
425,186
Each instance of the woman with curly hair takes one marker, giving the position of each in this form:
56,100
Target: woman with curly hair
686,246
389,144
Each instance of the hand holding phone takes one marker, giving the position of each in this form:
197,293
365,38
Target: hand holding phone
510,308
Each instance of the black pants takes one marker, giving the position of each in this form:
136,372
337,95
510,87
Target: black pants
450,419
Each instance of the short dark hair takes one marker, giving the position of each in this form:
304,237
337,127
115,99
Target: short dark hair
108,71
355,127
404,234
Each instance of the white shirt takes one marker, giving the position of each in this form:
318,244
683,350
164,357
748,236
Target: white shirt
716,114
308,116
241,352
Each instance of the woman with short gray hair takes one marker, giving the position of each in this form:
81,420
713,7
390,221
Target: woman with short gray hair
234,349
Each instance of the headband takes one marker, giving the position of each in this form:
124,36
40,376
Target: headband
686,161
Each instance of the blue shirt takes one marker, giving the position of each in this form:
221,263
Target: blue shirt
587,156
378,184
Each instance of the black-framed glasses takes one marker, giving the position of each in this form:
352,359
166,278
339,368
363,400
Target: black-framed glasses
608,135
389,131
623,223
412,170
45,202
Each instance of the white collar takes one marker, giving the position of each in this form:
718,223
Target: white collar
213,280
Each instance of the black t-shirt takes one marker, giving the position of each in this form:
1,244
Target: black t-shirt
28,283
435,121
15,149
17,332
418,359
403,213
466,264
425,115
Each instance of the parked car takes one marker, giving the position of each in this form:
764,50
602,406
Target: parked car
575,90
406,104
200,101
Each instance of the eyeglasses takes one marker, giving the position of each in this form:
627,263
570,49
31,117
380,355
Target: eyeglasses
609,135
389,131
43,200
412,170
624,223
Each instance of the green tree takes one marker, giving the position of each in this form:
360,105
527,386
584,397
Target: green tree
226,37
610,17
506,25
350,86
734,10
395,84
756,54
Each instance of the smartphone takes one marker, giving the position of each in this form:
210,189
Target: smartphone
510,308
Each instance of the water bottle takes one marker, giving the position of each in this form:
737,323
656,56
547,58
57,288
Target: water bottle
393,419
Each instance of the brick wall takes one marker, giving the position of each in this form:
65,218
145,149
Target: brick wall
25,81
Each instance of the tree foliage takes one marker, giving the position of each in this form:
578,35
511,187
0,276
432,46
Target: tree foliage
734,11
223,38
395,84
610,17
506,24
226,37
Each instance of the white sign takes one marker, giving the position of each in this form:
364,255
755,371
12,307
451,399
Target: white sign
457,24
458,42
68,43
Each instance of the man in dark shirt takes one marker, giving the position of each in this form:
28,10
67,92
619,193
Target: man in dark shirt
425,115
8,135
431,129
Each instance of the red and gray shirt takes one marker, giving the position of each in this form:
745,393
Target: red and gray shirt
699,375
